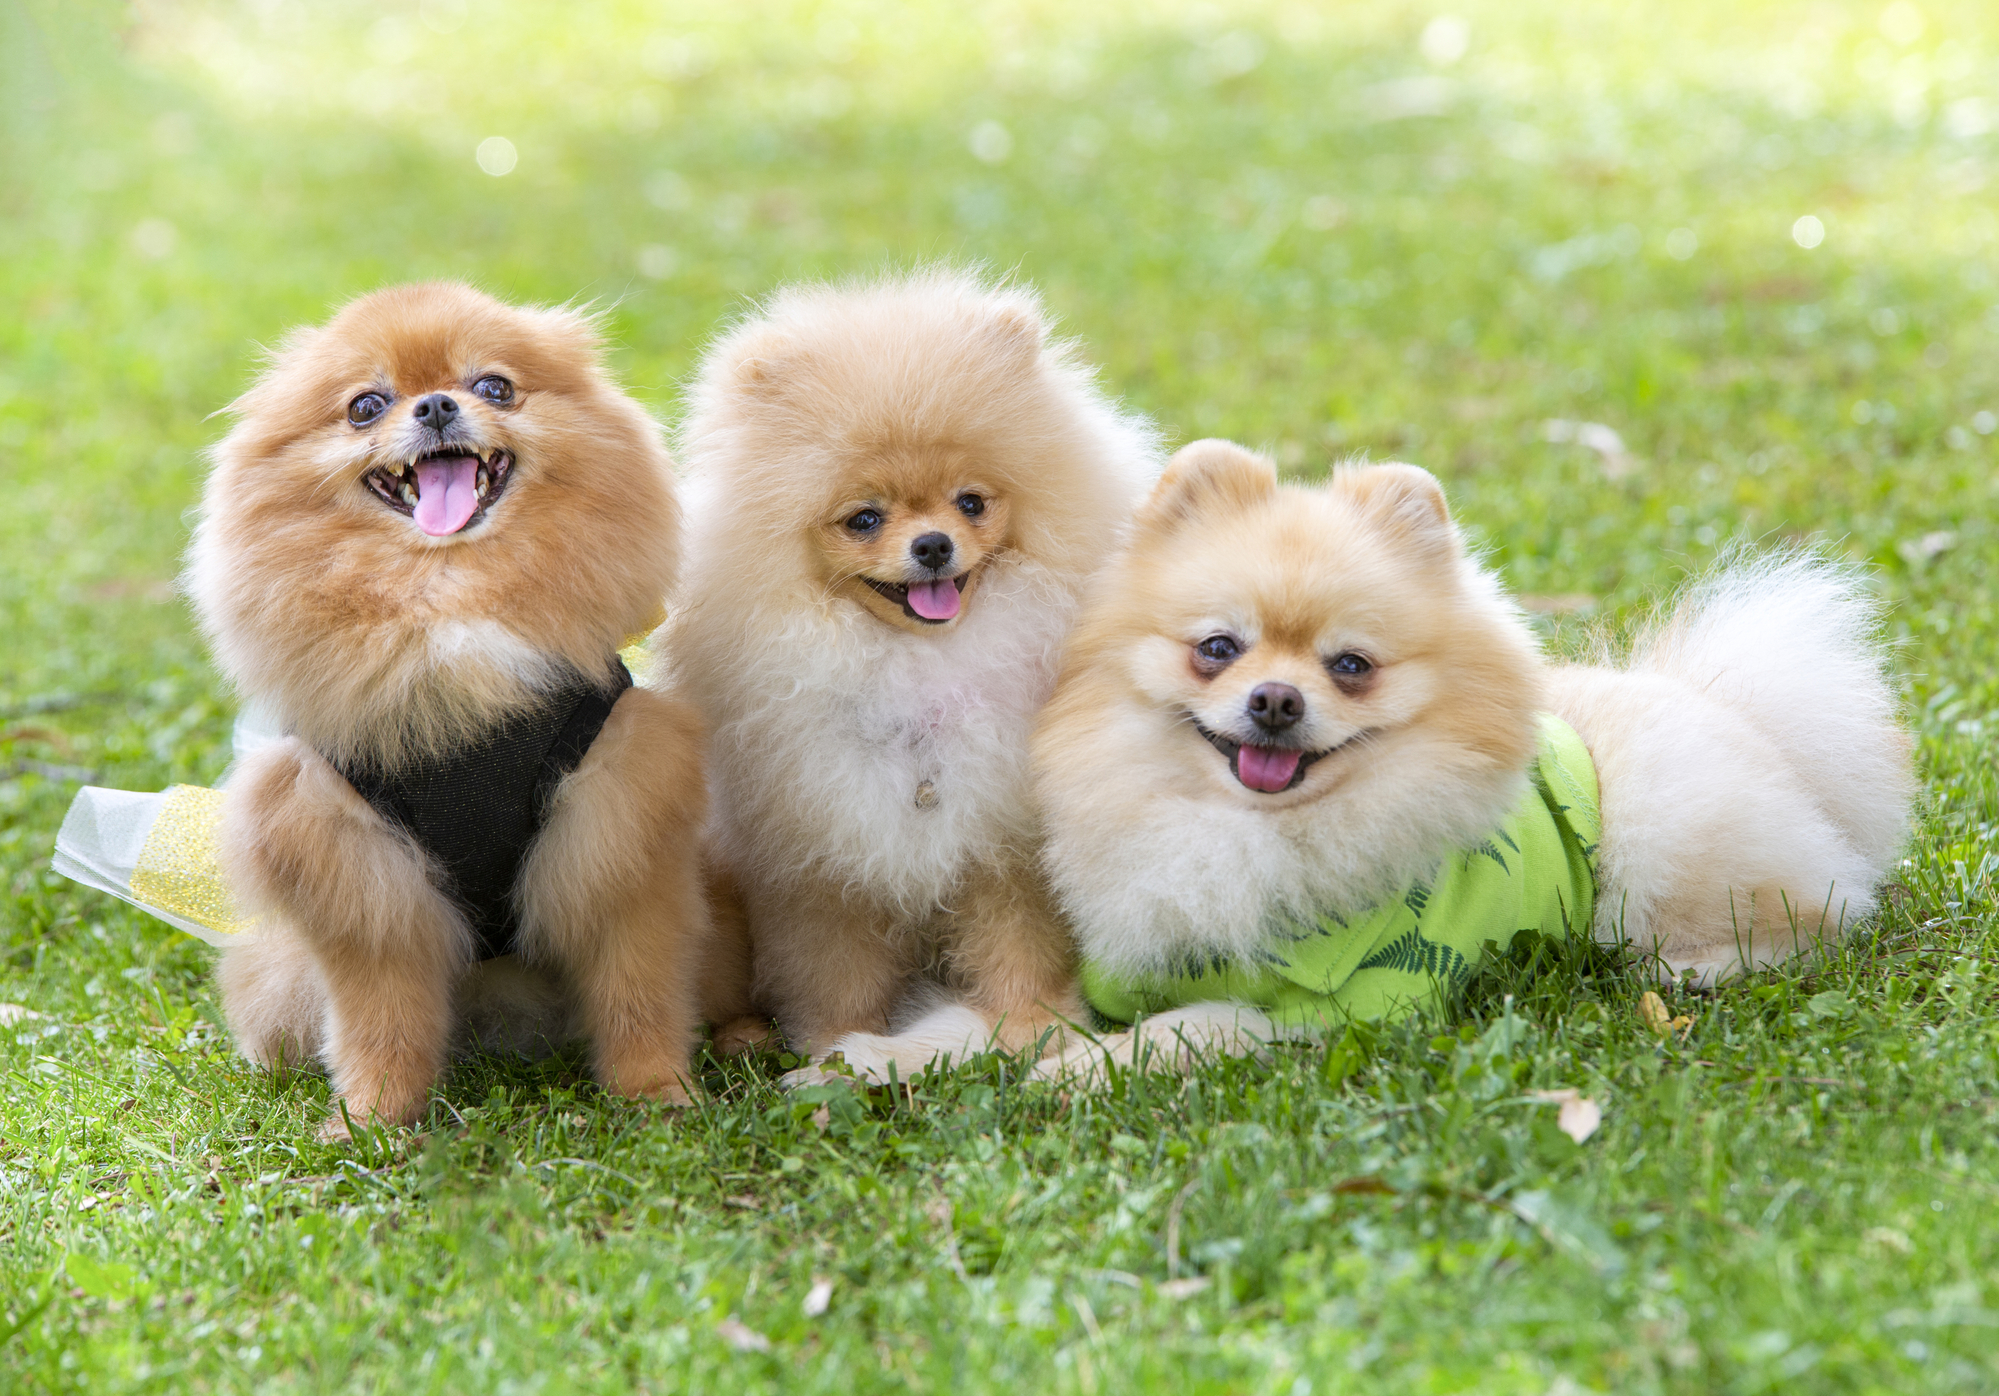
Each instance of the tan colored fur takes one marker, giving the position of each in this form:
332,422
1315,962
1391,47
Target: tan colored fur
869,767
1755,784
369,640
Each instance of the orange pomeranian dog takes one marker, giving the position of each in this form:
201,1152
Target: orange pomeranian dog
420,548
900,487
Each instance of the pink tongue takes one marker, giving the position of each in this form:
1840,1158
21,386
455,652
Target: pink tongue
445,494
1266,768
934,600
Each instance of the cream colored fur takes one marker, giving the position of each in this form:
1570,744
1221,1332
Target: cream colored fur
869,770
1171,1041
1156,853
1755,782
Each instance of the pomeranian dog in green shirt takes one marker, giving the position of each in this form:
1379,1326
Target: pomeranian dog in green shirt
1305,760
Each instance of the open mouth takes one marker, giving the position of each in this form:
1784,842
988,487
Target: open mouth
933,603
443,490
1268,769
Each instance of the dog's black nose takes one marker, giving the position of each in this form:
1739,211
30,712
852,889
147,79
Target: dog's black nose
437,411
932,550
1275,706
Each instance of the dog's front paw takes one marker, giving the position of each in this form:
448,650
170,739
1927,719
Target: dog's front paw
1085,1063
859,1056
814,1075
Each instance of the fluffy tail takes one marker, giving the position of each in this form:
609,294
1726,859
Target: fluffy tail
1756,784
1792,641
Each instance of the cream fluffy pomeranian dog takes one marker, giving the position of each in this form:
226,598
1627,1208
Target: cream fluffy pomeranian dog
435,521
898,487
1305,759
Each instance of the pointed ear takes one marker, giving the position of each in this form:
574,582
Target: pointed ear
580,328
759,365
1017,326
1207,476
1404,499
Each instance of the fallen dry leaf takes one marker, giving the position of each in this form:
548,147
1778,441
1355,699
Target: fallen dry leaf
741,1336
1660,1018
1579,1116
822,1117
819,1297
12,1013
1888,1237
1653,1010
1365,1183
743,1200
1184,1289
1616,459
1918,550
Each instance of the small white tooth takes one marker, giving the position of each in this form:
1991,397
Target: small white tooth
409,496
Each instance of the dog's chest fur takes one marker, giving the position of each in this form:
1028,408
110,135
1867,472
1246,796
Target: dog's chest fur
887,761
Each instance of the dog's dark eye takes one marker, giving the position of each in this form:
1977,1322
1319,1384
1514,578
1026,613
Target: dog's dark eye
971,505
1216,653
365,408
494,388
864,520
1349,666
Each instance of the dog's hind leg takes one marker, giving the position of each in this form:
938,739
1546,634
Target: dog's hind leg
273,997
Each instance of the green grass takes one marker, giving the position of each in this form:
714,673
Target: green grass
1262,227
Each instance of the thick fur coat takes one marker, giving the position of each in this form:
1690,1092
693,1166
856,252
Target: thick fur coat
431,512
1754,782
900,486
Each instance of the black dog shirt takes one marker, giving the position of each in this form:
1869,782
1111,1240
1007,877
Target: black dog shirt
475,812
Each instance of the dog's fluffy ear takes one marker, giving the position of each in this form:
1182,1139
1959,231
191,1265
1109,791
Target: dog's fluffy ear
758,365
1017,325
1404,499
1205,476
578,328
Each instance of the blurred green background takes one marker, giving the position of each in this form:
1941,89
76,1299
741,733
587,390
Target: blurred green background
1633,279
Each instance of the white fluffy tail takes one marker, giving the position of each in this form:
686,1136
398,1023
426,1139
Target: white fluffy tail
1792,641
1756,784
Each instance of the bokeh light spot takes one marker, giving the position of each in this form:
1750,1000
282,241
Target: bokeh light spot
657,261
154,238
1808,232
1903,23
991,142
497,155
1444,40
1682,243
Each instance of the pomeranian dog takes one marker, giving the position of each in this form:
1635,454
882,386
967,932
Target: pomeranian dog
899,487
433,524
1305,760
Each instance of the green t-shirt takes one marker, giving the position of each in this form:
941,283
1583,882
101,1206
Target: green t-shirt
1532,873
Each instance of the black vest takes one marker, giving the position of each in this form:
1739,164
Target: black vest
476,812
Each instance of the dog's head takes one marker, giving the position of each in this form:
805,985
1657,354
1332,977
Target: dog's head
432,489
1293,635
884,445
909,532
418,411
